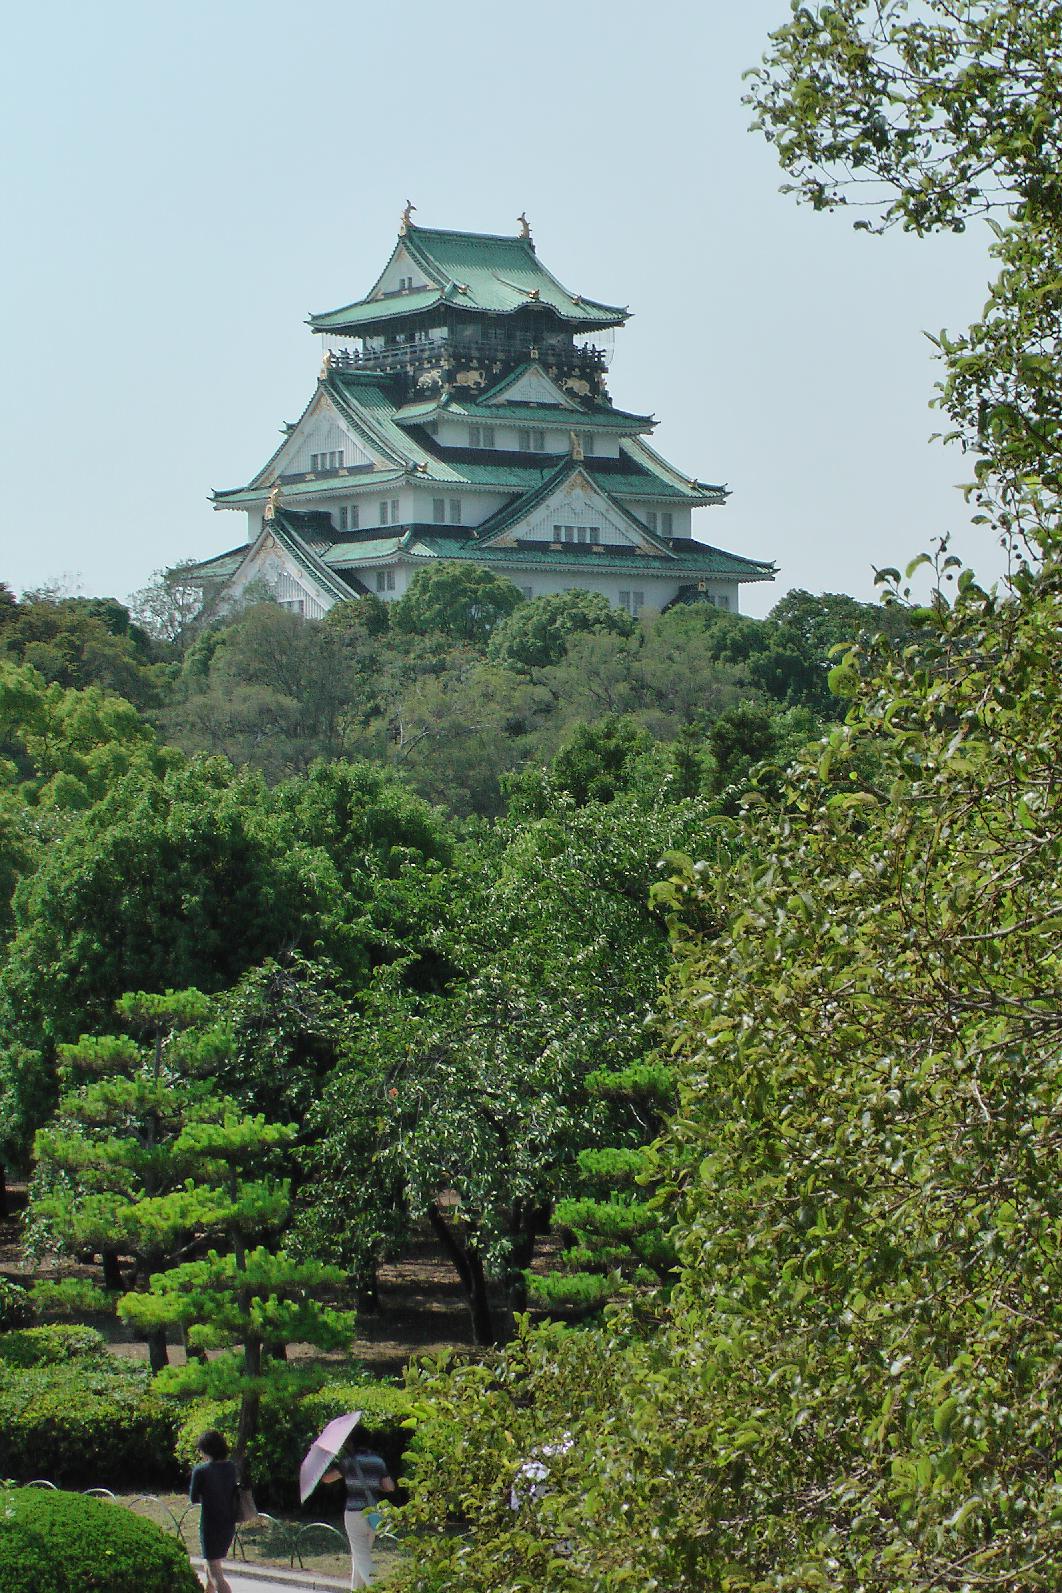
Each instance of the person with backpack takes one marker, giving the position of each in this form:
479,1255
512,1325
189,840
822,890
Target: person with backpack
366,1477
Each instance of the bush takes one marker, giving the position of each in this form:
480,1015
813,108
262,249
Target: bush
73,1297
85,1423
16,1308
47,1346
63,1543
288,1428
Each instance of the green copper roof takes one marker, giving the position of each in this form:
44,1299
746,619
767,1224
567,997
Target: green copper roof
219,568
350,553
322,486
603,419
694,560
473,271
354,317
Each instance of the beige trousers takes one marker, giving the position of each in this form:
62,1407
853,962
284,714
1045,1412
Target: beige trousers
361,1536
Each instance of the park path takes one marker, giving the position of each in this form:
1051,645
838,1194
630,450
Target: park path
271,1579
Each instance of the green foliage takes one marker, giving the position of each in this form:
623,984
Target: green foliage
459,600
116,1168
81,642
536,633
268,688
185,878
65,1543
45,1346
16,1306
85,1423
480,1092
70,1297
595,762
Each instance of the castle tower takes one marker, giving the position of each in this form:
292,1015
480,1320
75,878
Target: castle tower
462,412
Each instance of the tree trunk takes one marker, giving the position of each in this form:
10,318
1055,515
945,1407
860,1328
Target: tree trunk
3,1191
528,1224
191,1353
112,1272
368,1290
158,1354
249,1406
469,1269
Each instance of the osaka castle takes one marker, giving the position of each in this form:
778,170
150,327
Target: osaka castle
462,412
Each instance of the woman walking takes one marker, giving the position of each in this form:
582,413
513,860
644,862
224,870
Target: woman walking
366,1477
213,1488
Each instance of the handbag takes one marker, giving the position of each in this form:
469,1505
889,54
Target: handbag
246,1509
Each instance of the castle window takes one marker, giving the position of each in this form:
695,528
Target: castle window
385,580
314,460
343,517
633,602
588,442
394,511
438,510
531,440
455,511
383,511
666,522
481,436
353,517
526,592
650,519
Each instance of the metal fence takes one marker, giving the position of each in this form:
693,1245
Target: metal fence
267,1532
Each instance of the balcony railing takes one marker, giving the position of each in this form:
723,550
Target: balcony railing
454,355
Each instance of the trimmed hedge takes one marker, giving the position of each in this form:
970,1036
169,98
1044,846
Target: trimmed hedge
47,1346
85,1423
63,1543
287,1429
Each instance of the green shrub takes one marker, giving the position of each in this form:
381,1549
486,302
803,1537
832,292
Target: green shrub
74,1297
85,1423
288,1428
16,1308
63,1543
46,1346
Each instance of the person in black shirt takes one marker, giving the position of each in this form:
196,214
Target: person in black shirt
213,1488
366,1477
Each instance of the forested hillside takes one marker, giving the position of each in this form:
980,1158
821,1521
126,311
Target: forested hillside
449,812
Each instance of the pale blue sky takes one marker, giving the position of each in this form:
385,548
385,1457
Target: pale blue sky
188,181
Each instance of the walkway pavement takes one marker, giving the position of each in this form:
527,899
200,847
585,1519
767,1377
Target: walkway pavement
272,1579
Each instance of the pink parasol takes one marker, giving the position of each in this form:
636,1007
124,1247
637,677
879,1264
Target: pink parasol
323,1451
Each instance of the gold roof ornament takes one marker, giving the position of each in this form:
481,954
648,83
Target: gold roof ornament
326,365
272,502
525,225
575,445
406,218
